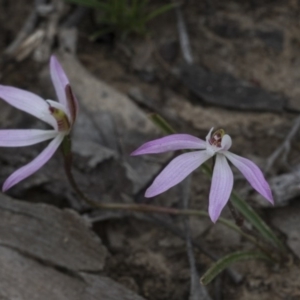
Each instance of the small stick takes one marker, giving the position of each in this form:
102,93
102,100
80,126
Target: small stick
184,38
285,147
197,291
146,208
27,28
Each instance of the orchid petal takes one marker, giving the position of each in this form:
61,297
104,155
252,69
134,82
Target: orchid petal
208,137
252,173
226,142
24,137
221,187
28,102
63,89
34,165
171,143
178,169
59,79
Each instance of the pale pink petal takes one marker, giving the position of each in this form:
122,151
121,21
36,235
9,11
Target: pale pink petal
28,102
24,137
178,169
59,79
226,142
221,187
170,143
34,165
252,173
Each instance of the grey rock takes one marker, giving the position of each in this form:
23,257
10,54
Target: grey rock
224,90
57,237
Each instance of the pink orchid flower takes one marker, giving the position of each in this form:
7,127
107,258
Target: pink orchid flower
59,115
179,168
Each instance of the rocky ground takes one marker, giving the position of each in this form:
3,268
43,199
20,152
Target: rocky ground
244,78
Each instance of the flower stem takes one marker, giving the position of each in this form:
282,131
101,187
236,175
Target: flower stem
145,208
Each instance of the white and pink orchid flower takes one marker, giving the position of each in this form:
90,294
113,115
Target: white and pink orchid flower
179,168
59,115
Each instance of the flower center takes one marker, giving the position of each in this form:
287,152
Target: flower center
61,118
216,138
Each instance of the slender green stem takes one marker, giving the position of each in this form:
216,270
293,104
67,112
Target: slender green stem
246,211
229,259
256,221
145,208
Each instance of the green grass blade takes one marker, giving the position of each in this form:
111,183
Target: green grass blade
242,206
159,11
231,225
135,7
247,211
98,33
161,123
227,260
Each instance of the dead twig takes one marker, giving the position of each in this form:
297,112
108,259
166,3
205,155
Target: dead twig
197,291
284,148
43,51
184,37
30,43
28,28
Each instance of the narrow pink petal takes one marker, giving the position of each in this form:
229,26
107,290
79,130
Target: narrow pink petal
252,173
28,102
34,165
221,187
178,169
170,143
59,79
24,137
